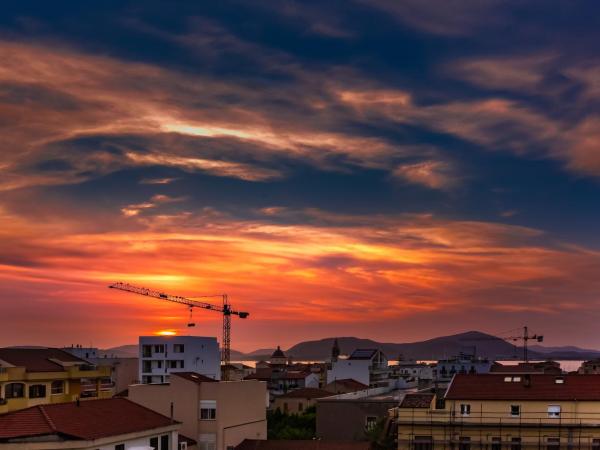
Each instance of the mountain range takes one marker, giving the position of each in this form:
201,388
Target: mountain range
482,344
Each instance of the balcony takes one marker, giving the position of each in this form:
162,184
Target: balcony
498,419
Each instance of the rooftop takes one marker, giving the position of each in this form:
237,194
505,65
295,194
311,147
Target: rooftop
194,377
39,359
525,387
92,419
417,400
347,383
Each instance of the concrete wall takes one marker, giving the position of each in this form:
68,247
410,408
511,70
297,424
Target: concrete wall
241,411
355,369
241,408
346,419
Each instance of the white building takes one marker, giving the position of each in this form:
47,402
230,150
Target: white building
163,355
413,369
445,369
88,425
367,366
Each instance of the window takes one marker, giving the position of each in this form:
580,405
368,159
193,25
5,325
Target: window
464,443
159,348
208,409
507,379
147,366
183,445
207,442
57,387
154,443
596,444
465,409
178,348
496,443
423,443
515,410
120,447
37,391
553,443
554,411
515,443
146,351
370,422
164,442
14,390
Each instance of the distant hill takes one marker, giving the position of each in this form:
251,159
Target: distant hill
483,344
437,348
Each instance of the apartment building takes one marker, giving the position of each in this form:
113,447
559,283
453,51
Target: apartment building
445,369
110,424
160,356
367,366
218,415
499,411
35,376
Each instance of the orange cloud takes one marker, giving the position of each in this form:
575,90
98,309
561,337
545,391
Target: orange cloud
358,271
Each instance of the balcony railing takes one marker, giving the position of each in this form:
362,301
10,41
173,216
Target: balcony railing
498,418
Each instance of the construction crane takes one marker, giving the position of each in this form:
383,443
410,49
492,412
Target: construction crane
226,310
525,337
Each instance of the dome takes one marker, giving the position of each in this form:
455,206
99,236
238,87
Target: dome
278,353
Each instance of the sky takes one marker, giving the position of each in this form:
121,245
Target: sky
393,170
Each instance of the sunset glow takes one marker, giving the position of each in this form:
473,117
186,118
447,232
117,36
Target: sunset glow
394,182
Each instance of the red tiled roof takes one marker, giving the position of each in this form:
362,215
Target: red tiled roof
306,393
417,400
348,383
194,377
529,387
315,444
92,419
38,359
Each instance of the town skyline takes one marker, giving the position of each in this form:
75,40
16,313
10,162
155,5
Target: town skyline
356,168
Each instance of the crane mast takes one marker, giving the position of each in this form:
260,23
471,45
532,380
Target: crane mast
226,310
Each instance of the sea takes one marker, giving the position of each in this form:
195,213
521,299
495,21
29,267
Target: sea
567,365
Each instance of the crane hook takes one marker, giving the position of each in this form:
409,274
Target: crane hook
191,323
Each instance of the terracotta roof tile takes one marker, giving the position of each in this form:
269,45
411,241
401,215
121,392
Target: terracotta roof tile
417,400
347,383
38,359
92,419
525,387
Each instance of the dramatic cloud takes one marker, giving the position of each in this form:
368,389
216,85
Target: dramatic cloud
370,270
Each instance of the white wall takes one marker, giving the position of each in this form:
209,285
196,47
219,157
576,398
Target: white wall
201,355
142,442
356,369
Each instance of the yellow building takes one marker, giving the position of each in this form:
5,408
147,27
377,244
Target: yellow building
36,376
504,412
